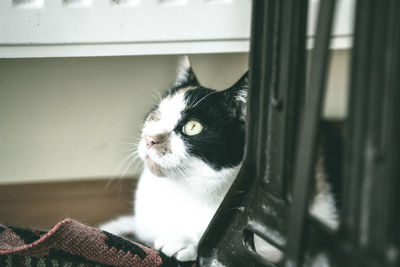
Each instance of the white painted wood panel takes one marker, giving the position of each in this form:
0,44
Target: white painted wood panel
65,28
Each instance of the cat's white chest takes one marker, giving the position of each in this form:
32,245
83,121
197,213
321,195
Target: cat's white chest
165,207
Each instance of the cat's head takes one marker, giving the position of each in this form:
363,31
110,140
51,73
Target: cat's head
195,130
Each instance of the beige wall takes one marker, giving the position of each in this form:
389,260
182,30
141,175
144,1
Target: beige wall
73,118
336,97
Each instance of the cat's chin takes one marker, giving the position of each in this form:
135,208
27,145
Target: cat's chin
154,167
160,171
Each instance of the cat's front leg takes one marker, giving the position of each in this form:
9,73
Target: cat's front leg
123,225
183,248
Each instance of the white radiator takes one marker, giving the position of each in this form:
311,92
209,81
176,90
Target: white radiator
64,28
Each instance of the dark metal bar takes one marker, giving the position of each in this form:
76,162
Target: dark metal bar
285,102
306,153
370,216
223,240
257,201
353,161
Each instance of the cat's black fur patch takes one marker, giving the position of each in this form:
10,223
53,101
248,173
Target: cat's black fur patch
221,143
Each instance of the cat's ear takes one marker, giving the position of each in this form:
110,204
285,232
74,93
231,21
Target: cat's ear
236,96
186,76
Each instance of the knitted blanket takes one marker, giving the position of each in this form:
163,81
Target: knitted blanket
71,243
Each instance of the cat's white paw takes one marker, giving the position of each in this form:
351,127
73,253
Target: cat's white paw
160,242
187,254
119,226
183,249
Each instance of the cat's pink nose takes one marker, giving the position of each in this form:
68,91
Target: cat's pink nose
155,139
150,141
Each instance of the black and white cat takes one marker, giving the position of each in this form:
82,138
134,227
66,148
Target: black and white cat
192,145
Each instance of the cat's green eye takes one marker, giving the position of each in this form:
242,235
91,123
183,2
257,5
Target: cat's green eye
192,127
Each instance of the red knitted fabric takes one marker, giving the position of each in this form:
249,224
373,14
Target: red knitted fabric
71,242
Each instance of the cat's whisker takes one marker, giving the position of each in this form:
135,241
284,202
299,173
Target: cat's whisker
183,171
138,164
149,102
193,102
108,183
156,94
156,98
134,141
124,161
132,157
130,148
204,97
126,168
131,143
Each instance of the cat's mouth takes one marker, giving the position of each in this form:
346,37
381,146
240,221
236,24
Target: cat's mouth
149,161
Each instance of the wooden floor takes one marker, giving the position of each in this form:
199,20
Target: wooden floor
42,205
